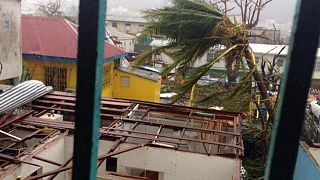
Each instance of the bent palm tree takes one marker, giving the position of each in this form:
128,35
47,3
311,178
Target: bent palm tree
192,28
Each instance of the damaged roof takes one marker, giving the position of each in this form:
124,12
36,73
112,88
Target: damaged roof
137,123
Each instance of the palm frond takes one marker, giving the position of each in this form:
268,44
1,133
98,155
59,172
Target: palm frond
199,72
146,56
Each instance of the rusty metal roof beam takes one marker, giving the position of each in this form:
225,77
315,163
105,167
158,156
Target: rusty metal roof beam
181,127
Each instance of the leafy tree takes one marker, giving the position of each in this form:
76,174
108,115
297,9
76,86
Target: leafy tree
249,15
192,28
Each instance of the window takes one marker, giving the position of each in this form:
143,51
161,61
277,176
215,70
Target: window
114,24
143,173
210,56
124,81
141,27
106,74
111,164
128,27
56,77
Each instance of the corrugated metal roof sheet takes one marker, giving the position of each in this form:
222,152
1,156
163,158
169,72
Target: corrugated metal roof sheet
56,37
22,94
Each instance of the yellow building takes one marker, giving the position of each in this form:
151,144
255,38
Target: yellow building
136,83
49,47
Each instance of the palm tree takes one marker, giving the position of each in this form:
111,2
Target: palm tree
192,28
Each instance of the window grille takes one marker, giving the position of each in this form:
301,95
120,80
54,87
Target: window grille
56,77
106,74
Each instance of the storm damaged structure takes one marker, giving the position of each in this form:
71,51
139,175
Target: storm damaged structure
138,140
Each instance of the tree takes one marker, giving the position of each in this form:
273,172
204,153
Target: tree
193,27
250,10
52,8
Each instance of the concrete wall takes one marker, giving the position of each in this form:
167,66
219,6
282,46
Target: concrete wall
53,151
126,44
171,164
176,165
139,88
37,69
121,26
10,40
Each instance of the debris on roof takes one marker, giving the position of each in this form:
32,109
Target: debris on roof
142,72
21,94
126,126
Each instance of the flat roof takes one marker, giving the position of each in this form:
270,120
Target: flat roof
126,19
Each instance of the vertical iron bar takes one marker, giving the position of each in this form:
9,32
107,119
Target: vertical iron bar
294,90
90,59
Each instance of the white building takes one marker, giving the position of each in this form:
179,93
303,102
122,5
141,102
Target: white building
10,41
125,41
125,24
167,59
265,51
268,52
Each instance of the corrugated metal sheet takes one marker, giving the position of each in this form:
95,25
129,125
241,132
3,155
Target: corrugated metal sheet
22,94
54,36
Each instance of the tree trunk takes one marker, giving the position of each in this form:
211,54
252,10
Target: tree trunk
231,72
261,85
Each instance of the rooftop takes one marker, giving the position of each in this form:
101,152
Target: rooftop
119,35
142,71
56,38
125,124
126,19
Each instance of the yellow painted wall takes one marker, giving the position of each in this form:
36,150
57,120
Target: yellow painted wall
37,69
107,89
139,88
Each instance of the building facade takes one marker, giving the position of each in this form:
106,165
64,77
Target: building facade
123,40
50,54
129,25
261,35
10,41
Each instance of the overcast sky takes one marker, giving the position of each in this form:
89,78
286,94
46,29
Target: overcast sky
280,10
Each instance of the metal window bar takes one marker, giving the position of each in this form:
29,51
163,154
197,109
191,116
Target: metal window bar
294,90
89,76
